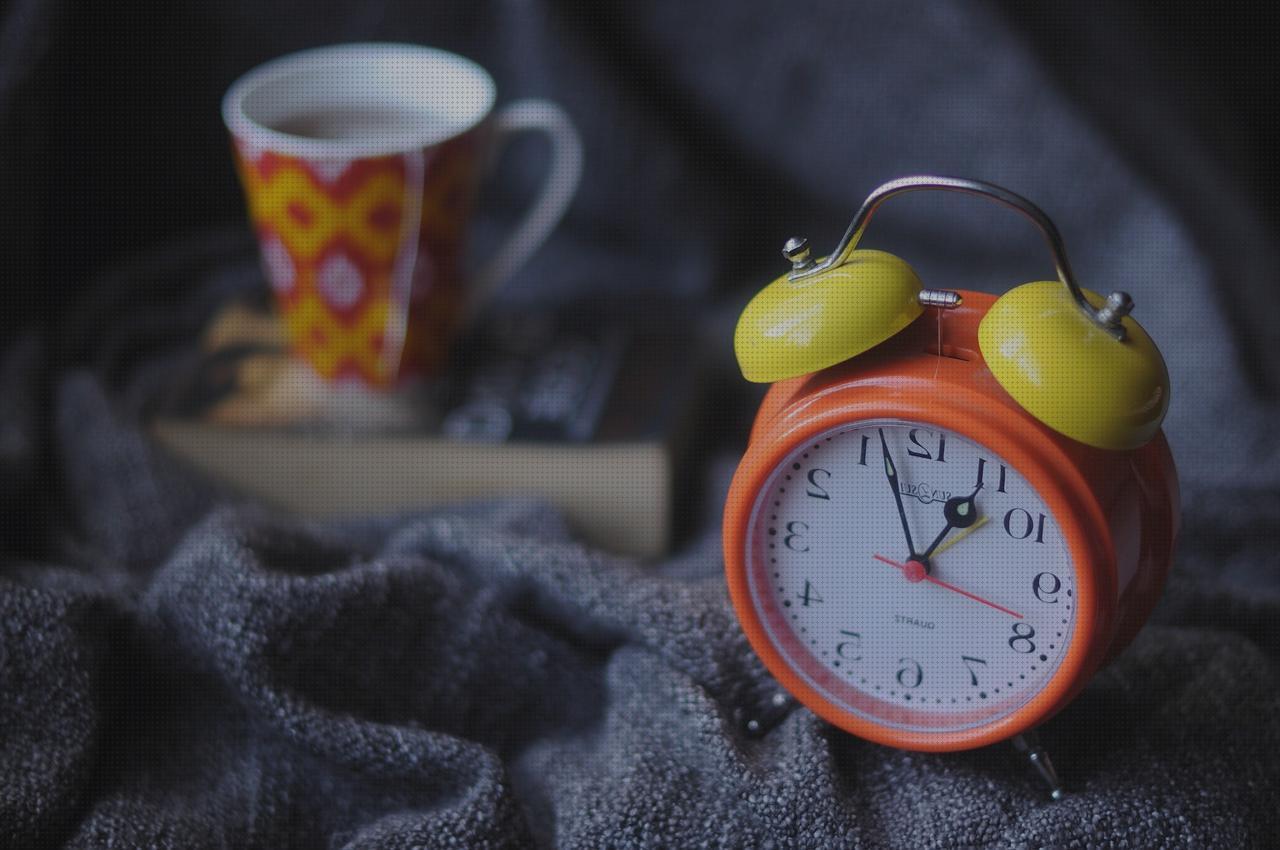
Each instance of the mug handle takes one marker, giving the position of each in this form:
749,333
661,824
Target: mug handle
558,189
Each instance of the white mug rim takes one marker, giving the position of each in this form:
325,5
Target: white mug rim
248,130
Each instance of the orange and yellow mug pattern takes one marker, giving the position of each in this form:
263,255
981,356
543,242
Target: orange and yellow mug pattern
333,239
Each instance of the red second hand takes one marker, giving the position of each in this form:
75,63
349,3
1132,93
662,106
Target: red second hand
906,569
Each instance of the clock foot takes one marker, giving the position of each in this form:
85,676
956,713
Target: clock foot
1028,744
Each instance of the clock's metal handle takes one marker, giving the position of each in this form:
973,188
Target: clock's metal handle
1108,316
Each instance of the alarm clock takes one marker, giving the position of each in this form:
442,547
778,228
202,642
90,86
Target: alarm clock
954,508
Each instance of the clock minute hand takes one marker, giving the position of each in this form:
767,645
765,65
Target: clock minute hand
891,473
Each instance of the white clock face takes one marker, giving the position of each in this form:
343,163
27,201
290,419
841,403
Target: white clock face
950,623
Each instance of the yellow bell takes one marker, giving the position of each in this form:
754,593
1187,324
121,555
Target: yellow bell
794,327
1071,373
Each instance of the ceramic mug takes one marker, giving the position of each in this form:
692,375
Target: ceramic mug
360,164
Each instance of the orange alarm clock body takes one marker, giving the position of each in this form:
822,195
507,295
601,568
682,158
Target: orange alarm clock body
1118,510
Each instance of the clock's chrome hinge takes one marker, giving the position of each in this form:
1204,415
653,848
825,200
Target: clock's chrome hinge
944,298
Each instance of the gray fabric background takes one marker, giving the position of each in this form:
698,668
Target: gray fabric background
181,669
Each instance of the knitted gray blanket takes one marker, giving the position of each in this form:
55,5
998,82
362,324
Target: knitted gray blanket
199,674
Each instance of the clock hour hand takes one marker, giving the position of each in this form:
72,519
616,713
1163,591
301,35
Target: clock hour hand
891,473
961,535
960,512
